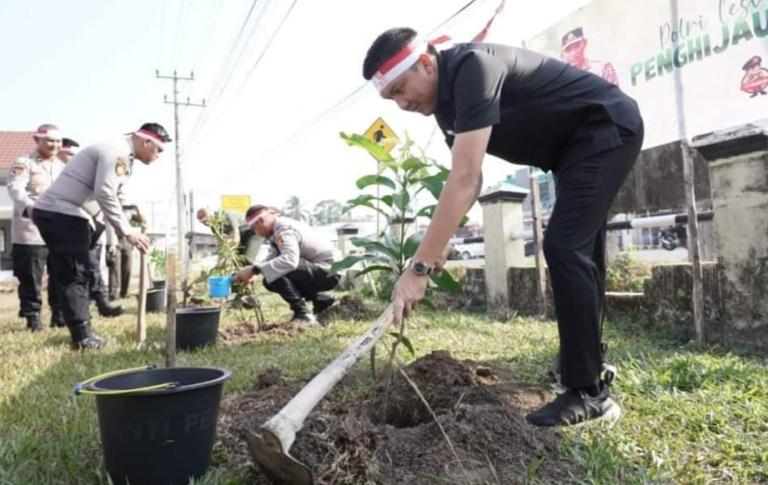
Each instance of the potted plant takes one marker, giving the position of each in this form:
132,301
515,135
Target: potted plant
197,325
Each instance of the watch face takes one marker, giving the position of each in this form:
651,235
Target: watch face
420,268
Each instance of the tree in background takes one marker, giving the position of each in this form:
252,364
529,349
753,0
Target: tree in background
327,211
294,208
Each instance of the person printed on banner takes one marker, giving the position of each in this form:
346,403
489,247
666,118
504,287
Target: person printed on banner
574,52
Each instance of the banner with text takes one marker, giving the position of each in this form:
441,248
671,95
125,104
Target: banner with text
719,47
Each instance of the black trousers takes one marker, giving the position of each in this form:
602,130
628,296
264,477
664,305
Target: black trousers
119,265
29,262
302,284
574,247
97,287
69,240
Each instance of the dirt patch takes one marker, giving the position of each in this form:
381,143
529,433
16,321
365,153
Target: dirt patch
347,308
352,438
250,332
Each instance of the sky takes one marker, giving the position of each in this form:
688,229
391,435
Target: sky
278,88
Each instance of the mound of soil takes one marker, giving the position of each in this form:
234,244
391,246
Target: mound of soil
347,308
385,434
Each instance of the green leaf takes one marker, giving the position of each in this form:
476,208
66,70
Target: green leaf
434,183
413,163
412,244
375,246
388,199
374,149
369,180
446,282
375,267
401,200
345,263
405,341
364,200
426,211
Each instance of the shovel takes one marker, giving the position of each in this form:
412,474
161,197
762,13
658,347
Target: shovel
270,448
141,321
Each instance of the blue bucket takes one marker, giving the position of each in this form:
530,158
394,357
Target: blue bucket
219,286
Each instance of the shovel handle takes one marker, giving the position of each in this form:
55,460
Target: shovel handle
291,418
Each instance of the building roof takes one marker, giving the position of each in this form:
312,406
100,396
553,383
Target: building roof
14,144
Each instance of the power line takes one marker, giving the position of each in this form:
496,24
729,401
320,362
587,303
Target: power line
350,97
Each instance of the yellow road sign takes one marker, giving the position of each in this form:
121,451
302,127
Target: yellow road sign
380,132
236,203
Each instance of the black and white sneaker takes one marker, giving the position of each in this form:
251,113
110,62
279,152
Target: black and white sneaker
575,406
304,319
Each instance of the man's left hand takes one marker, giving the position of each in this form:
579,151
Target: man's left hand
409,289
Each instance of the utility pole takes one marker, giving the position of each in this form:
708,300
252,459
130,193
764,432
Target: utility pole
179,182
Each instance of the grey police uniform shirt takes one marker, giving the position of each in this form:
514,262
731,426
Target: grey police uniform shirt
29,177
536,105
89,185
292,241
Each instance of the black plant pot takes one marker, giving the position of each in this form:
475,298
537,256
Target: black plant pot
158,284
196,327
156,300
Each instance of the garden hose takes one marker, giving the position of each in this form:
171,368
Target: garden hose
80,386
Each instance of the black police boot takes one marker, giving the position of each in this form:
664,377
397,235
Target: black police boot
322,302
107,310
84,338
57,320
302,315
33,322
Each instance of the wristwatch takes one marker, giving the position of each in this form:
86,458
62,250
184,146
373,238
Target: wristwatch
420,268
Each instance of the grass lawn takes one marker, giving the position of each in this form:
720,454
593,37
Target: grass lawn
691,414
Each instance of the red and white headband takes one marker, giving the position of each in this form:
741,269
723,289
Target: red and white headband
256,216
151,136
50,133
403,60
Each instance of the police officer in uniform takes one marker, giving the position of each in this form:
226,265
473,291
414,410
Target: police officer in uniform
69,149
71,213
298,264
528,109
29,177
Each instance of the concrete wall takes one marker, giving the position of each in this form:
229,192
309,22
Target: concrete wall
656,182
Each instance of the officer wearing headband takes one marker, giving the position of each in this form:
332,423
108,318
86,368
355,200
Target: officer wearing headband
28,177
528,109
71,214
298,264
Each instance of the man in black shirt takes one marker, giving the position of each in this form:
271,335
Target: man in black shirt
529,109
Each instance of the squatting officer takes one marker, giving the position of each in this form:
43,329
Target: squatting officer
298,264
71,213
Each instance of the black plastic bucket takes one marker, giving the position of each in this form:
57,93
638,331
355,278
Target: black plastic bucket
196,327
158,436
156,300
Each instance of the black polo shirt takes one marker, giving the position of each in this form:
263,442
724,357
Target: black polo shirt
537,105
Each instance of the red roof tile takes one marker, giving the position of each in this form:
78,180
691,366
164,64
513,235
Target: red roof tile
14,144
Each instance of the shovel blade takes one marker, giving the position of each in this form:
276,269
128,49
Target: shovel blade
274,462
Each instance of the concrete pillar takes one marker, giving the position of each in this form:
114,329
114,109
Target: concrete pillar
504,249
738,165
343,235
396,225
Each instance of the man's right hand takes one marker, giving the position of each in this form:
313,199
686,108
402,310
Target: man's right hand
245,274
139,241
